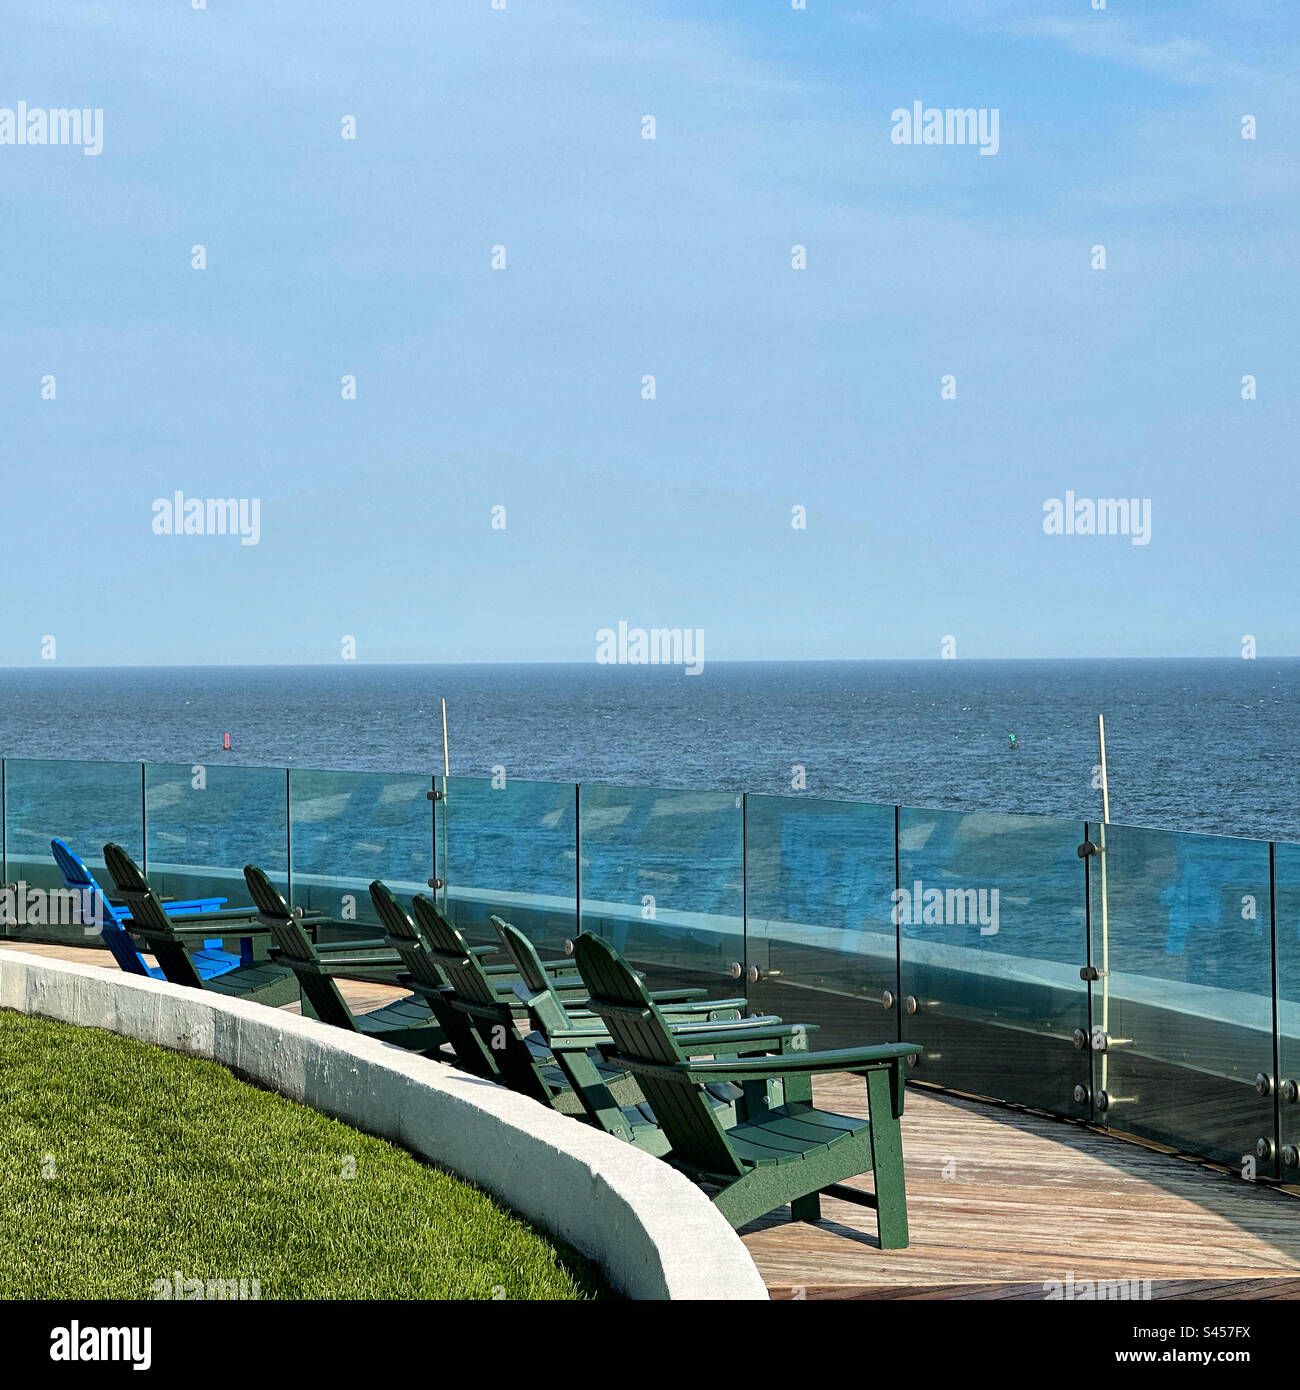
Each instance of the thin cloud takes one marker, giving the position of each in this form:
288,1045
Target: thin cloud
1158,43
1188,62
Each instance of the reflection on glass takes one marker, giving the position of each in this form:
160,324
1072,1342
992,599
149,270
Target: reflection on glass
350,828
84,804
1188,1001
510,850
993,937
821,934
662,878
204,823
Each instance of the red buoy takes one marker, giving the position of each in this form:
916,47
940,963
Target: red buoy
225,747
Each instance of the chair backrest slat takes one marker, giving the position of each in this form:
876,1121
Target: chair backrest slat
404,937
449,948
77,876
149,918
491,1019
297,950
640,1034
544,1002
429,980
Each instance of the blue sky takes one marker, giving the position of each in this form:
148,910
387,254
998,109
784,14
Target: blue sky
774,387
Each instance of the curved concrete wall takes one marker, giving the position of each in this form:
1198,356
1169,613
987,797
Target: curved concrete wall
653,1233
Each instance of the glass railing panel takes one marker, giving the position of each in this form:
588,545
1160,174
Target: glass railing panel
662,879
822,943
993,936
509,848
347,829
1182,924
85,804
1287,930
204,822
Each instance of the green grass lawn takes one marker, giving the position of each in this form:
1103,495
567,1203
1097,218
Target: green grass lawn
121,1164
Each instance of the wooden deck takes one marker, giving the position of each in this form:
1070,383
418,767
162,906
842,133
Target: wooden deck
1003,1203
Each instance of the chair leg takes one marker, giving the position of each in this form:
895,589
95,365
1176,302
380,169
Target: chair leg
807,1208
887,1163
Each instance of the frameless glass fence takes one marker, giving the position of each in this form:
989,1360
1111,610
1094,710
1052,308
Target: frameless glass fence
1286,926
1181,925
347,829
85,804
1147,980
993,936
203,823
662,879
510,849
821,941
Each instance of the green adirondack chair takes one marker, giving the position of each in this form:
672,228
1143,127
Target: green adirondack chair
406,1022
792,1153
491,1045
425,976
486,1040
531,969
422,973
169,938
712,1027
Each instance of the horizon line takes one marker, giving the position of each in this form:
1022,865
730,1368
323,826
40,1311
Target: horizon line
662,666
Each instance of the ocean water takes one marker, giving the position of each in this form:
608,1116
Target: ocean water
1206,745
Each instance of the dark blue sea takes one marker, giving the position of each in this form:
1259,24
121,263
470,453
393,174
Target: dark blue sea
1208,745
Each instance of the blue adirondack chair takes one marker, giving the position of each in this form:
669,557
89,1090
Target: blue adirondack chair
211,959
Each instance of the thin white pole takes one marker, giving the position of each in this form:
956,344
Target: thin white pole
446,762
1105,788
1105,923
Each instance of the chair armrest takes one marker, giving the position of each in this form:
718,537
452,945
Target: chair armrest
352,965
377,958
193,905
699,1037
552,967
507,992
762,1026
577,1039
238,922
223,914
702,1006
322,947
850,1059
674,996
